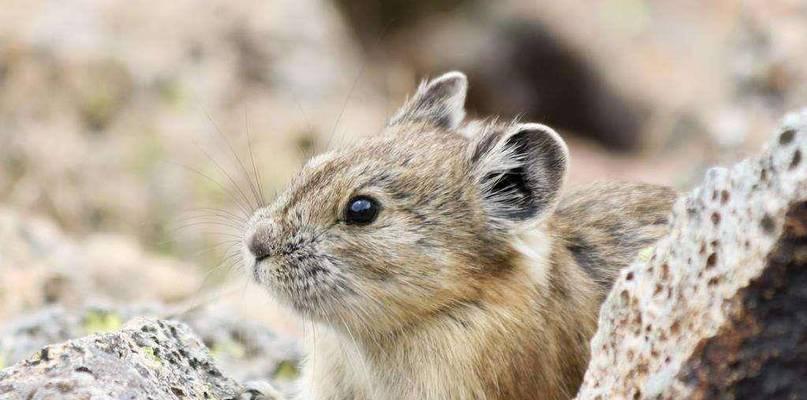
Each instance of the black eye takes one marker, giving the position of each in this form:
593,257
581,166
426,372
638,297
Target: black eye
361,210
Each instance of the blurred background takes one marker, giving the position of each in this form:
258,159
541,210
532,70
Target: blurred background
128,130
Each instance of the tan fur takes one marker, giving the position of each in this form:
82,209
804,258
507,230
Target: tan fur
452,293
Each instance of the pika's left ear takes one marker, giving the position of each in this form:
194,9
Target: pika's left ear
519,171
440,102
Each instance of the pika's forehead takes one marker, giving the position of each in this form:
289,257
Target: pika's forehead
415,155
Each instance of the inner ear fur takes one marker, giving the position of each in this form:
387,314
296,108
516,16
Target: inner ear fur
440,102
519,170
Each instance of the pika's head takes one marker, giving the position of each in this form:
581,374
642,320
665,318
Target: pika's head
408,223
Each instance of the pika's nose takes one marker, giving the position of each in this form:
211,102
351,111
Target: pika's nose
260,244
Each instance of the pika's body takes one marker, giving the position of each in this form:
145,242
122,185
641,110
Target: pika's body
438,261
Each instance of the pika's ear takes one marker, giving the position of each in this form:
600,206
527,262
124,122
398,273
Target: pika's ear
519,171
440,101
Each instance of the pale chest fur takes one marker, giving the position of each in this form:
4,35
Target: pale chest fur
499,348
349,374
338,369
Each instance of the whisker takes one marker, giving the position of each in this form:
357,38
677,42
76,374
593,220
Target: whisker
252,188
202,248
217,211
192,305
212,219
250,206
237,201
355,82
255,171
204,223
230,227
213,216
346,101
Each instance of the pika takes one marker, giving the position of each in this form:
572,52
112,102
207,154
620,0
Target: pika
439,259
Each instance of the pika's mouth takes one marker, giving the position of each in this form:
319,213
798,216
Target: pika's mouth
295,270
310,286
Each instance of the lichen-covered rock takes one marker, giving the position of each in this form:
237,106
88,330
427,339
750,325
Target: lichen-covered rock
21,337
242,349
247,350
54,288
720,308
147,359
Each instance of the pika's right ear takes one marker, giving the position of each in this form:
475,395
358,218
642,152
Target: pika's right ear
519,170
440,101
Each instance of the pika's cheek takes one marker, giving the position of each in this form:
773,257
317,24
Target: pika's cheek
359,262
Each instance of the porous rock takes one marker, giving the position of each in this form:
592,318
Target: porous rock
720,308
147,359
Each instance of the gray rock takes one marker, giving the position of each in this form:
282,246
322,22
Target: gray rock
244,350
147,359
24,336
719,310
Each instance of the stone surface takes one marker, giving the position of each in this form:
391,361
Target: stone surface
147,359
55,287
241,349
720,308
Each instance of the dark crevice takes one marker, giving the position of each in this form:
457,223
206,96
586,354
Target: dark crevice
761,352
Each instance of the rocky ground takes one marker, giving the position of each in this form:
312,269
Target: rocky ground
54,289
231,350
146,359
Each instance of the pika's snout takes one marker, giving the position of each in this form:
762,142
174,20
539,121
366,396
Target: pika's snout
261,242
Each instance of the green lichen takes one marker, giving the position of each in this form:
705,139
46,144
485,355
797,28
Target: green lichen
99,321
148,351
229,348
645,254
287,370
2,360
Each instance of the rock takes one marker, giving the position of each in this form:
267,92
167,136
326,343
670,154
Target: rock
147,359
245,350
22,337
720,308
56,288
43,266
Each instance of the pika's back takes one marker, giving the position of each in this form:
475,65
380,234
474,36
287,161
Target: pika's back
603,226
